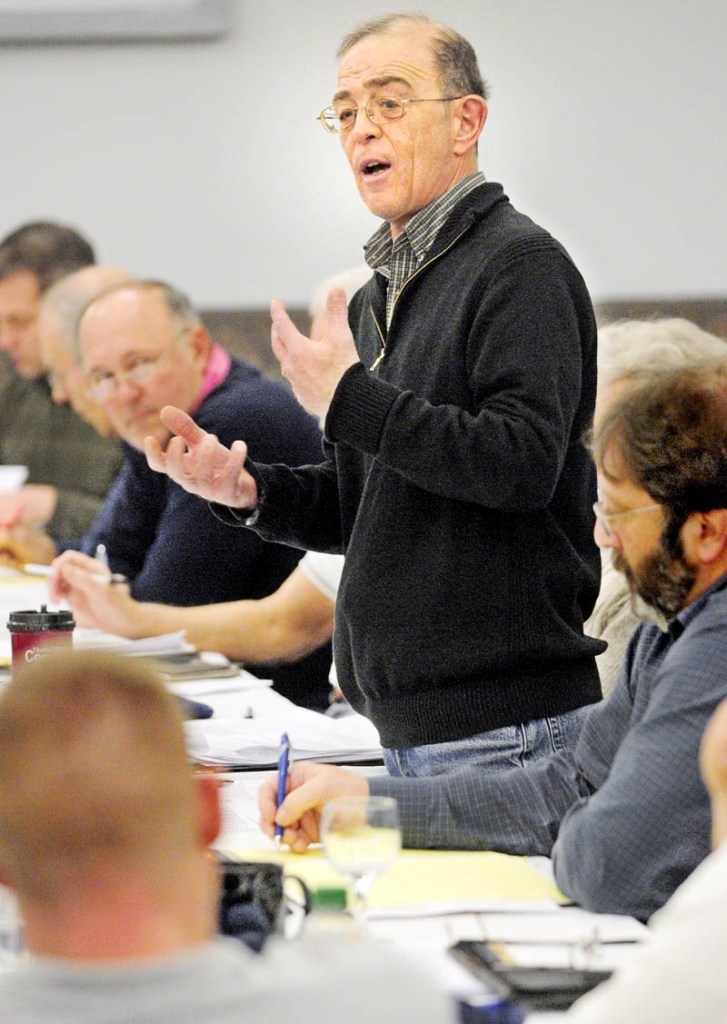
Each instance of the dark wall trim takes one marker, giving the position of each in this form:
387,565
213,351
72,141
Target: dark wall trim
131,22
246,332
710,314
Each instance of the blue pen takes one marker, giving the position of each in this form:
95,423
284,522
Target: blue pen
283,765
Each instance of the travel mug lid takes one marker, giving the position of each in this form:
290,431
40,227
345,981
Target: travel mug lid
32,621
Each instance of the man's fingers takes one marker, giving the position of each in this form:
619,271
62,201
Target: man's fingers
185,435
80,579
308,831
73,569
305,798
279,314
278,345
336,305
182,424
266,802
283,331
78,559
154,454
175,450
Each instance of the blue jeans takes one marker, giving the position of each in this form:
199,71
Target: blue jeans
515,746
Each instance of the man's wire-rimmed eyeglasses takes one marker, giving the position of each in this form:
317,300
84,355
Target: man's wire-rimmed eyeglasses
606,518
379,110
104,386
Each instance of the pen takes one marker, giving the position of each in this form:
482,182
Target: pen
103,558
34,569
283,765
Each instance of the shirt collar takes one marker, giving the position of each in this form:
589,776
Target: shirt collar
423,227
680,621
218,366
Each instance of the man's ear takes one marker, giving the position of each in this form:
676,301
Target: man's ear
469,123
706,535
200,343
209,813
5,874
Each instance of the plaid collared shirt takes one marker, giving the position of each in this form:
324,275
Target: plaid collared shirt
397,259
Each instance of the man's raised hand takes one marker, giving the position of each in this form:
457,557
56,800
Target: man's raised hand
201,465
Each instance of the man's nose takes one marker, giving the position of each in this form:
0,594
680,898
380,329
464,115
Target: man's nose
127,390
363,126
605,538
59,392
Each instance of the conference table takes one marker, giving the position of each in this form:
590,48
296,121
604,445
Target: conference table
428,900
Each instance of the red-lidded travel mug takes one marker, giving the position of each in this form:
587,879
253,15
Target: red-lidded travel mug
33,634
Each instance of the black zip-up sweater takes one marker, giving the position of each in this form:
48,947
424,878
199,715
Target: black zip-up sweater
459,487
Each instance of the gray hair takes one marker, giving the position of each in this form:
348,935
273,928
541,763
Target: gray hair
454,57
630,348
669,434
177,303
68,298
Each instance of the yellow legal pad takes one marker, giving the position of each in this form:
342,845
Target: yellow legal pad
427,876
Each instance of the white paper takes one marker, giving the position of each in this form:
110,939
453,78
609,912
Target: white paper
167,643
255,743
223,684
569,925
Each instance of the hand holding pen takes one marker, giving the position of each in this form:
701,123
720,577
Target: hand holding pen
82,583
307,788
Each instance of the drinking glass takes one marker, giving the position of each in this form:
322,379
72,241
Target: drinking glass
361,837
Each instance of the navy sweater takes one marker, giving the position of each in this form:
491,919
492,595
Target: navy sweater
459,488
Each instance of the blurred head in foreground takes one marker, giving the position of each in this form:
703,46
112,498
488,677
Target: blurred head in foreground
105,829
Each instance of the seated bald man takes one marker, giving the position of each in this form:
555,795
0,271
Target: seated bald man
143,345
106,835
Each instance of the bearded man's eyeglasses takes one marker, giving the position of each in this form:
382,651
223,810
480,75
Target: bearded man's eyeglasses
606,518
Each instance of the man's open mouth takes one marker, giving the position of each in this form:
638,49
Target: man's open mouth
374,167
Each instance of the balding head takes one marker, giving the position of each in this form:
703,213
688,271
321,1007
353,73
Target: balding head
143,347
60,312
105,829
93,769
68,298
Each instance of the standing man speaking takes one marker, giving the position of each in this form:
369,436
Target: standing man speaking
457,484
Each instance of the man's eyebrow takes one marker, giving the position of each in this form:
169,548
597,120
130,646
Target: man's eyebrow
374,83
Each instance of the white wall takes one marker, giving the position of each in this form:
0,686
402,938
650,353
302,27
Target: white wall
203,164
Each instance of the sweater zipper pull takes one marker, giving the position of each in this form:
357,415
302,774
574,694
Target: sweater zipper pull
382,340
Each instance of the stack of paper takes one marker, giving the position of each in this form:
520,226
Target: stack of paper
151,646
205,686
240,743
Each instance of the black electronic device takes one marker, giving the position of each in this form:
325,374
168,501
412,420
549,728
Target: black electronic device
539,988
